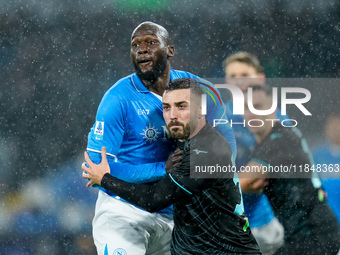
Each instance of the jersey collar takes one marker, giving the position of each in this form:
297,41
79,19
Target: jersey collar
173,75
139,86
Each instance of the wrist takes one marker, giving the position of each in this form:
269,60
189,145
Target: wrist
106,178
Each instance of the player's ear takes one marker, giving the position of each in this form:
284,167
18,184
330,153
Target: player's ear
170,51
262,78
200,115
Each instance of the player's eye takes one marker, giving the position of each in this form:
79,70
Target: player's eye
152,42
134,45
165,107
182,106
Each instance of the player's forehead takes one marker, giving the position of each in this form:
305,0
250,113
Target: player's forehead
240,67
333,120
175,96
149,29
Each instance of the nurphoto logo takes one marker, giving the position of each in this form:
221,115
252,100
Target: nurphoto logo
301,96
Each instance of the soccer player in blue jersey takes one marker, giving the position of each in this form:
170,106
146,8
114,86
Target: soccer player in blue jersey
243,70
129,123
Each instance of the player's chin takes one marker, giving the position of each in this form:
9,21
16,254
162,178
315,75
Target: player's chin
145,69
176,133
253,130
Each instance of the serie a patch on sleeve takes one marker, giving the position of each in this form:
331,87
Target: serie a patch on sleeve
99,130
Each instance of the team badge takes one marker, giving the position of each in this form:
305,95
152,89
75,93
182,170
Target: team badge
119,251
150,133
99,130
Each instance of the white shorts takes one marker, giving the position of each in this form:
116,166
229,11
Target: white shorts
120,228
269,237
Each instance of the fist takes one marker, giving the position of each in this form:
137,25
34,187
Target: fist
174,160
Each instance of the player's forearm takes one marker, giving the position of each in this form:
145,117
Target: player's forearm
251,185
132,173
151,198
143,173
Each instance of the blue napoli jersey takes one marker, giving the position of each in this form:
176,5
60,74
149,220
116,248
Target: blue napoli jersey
130,124
257,206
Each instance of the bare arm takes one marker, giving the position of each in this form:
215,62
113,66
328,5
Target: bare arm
253,181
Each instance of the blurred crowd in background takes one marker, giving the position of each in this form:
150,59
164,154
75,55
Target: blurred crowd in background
57,59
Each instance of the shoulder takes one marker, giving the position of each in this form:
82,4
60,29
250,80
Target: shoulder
176,74
321,150
285,135
213,142
121,87
117,97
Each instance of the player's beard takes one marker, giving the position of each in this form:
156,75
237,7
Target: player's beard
177,133
155,72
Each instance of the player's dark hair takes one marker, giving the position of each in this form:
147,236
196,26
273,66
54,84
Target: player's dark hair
185,83
244,57
265,88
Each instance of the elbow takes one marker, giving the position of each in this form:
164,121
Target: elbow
152,209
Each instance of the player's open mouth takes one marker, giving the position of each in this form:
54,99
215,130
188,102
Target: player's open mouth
144,62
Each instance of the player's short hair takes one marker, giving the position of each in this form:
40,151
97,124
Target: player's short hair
244,57
185,83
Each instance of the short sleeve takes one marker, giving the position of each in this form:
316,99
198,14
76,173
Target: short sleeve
108,129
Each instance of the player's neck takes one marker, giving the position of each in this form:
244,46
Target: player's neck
201,123
335,149
162,81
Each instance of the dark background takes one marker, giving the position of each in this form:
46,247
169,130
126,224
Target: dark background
57,59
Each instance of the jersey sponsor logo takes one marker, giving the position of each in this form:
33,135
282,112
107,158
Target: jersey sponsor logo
143,112
150,133
99,130
198,151
166,134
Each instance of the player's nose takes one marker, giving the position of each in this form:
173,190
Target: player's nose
173,114
143,49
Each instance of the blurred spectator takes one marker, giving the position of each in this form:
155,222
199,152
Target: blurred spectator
329,154
56,211
243,69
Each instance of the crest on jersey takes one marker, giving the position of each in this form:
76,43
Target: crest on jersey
99,130
150,133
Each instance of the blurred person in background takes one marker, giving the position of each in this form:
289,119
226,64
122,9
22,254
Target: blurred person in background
298,200
329,154
130,124
243,69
